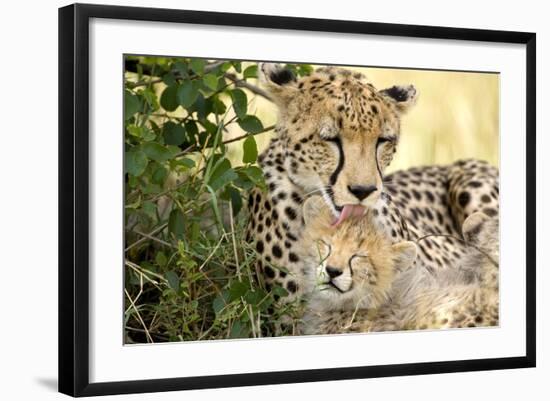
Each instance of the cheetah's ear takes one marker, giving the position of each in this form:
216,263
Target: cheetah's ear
317,216
279,81
404,97
405,254
473,225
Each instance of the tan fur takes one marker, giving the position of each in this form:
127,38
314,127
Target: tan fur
304,158
418,300
335,131
334,102
368,262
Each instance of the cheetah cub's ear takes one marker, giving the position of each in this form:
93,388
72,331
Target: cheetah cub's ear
473,225
404,254
317,216
404,97
279,81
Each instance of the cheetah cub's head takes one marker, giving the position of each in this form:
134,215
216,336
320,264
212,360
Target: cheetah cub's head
338,133
356,264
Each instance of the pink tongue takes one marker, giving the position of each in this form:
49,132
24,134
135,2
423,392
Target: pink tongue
349,211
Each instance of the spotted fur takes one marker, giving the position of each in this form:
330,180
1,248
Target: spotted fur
466,296
336,134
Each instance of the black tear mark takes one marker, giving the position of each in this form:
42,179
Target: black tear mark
378,143
334,175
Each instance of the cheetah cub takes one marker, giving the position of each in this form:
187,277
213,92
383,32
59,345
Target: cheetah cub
366,284
357,270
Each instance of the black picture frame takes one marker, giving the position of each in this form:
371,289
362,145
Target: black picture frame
74,198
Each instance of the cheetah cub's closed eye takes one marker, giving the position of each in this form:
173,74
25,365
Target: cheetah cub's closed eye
358,268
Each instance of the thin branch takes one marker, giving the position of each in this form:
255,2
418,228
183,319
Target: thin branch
244,84
238,138
153,238
141,240
139,317
212,66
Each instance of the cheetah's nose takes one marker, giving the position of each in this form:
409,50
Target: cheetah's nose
333,271
362,191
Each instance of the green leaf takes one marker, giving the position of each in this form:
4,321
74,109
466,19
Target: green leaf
254,173
211,81
131,104
160,258
255,297
159,176
218,106
222,175
181,68
250,124
225,66
186,162
150,209
134,130
174,134
220,302
168,99
236,200
250,150
279,291
240,102
224,179
187,93
156,151
237,290
151,99
237,65
304,69
176,224
239,330
169,79
251,71
148,134
173,280
191,128
136,162
141,132
202,106
197,65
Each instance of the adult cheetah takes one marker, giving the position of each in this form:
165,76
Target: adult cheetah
335,135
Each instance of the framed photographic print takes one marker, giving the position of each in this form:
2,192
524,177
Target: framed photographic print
249,199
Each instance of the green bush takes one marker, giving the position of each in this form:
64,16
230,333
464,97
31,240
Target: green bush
189,273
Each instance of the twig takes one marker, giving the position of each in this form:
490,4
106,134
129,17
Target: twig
241,83
155,239
140,270
238,138
212,253
141,240
139,317
249,134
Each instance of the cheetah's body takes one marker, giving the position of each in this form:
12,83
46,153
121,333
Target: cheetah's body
336,131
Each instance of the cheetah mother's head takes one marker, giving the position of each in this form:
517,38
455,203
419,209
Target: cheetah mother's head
338,131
